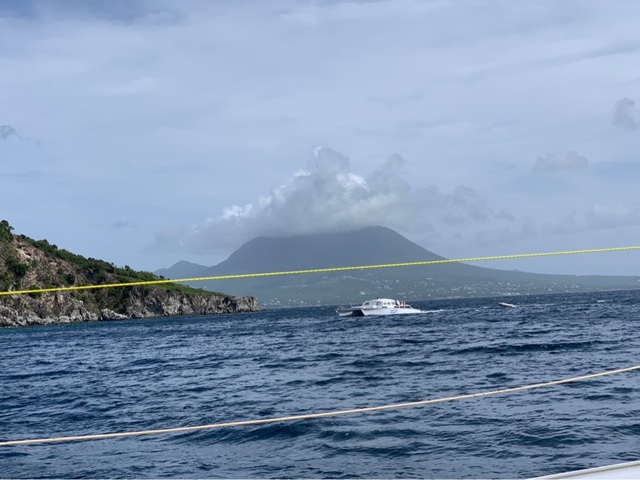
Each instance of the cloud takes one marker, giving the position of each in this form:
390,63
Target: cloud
123,224
596,218
603,216
554,162
567,223
623,114
329,197
6,131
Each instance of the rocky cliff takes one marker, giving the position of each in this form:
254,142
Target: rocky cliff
140,302
26,264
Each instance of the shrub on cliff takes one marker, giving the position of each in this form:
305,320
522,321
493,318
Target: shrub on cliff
6,230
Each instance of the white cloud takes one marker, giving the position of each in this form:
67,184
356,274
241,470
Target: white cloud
330,197
553,162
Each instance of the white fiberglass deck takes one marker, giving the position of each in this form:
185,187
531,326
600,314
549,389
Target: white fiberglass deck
620,471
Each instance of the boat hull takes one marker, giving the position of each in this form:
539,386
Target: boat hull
376,312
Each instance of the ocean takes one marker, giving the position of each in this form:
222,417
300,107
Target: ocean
90,378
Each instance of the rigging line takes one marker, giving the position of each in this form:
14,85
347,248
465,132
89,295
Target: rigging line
315,415
319,270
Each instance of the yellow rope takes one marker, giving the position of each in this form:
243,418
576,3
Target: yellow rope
320,270
316,415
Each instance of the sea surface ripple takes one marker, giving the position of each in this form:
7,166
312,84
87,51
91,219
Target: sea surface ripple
93,378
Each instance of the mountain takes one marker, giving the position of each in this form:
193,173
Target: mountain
363,247
27,264
367,246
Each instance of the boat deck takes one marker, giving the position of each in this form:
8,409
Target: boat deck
620,471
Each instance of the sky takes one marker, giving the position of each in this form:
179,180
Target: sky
148,132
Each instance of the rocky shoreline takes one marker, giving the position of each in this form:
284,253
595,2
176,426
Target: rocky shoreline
138,302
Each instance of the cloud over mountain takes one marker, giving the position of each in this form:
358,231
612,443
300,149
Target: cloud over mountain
328,197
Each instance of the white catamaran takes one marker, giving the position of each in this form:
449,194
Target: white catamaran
379,306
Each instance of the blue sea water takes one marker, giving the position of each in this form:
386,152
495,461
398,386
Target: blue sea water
158,373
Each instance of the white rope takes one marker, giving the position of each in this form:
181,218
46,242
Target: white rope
316,415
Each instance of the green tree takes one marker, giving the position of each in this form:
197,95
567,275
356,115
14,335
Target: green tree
16,267
6,230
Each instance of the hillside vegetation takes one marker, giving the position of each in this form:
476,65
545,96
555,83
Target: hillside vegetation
27,264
